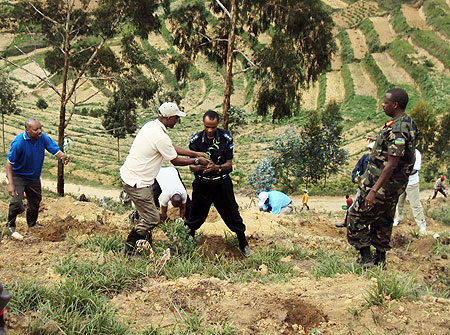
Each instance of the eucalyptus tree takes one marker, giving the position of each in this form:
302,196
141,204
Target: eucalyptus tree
120,116
334,156
77,33
297,48
8,99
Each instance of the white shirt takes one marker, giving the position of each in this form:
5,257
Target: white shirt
170,184
151,145
414,178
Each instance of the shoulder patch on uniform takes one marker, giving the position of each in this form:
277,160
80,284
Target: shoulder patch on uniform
228,136
231,145
399,141
389,123
193,138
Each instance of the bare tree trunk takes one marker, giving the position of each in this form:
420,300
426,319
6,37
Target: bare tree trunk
3,131
118,150
229,76
62,111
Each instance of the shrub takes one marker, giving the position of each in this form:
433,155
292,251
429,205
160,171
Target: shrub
41,104
263,178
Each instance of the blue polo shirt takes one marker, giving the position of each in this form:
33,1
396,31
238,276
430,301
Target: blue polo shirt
27,157
277,200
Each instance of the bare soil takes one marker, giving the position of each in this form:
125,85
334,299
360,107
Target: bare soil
358,41
310,96
362,82
332,305
394,73
336,3
335,85
384,29
413,17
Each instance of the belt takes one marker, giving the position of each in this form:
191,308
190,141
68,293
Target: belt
224,176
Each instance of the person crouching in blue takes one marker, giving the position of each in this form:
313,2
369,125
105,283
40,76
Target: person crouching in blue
275,202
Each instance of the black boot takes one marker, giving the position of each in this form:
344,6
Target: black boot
130,243
2,325
32,219
365,258
380,258
243,245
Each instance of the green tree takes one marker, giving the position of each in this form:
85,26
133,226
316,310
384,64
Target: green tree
8,100
41,104
426,122
77,32
335,157
120,115
286,159
312,152
442,144
299,47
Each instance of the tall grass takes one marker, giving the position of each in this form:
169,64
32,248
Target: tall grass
391,286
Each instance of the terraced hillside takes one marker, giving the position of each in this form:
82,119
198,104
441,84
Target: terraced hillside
378,47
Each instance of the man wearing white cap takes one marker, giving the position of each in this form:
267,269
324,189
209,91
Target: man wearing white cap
275,202
151,145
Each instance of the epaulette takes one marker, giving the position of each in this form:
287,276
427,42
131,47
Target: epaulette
193,138
227,136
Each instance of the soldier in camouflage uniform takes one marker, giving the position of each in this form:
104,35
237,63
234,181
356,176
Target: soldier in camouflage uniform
390,163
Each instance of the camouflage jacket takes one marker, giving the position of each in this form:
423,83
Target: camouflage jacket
397,138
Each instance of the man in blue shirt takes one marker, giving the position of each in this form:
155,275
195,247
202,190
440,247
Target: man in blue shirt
275,202
23,170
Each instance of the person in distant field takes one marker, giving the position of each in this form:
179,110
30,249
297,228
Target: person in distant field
83,198
357,172
23,170
275,202
348,201
169,186
305,199
151,145
413,193
391,161
439,187
212,184
4,299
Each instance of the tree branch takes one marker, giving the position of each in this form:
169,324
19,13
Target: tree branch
48,82
48,18
224,8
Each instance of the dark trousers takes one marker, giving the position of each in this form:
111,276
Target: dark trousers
33,190
439,190
221,194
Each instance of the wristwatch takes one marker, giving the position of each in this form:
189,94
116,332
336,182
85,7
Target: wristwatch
196,161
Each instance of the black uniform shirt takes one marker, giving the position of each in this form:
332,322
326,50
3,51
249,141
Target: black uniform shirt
199,142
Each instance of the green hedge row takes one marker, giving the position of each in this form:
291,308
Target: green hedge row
433,44
438,15
420,70
372,38
347,50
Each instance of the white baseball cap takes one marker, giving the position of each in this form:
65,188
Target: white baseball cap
169,109
262,197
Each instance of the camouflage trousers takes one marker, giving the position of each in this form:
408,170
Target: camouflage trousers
372,226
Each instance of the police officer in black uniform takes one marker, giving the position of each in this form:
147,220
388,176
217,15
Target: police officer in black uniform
212,184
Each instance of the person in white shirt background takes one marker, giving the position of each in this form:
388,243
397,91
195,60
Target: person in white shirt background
413,193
